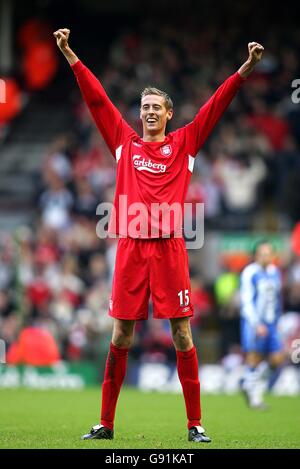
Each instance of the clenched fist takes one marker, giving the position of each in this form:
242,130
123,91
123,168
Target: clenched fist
255,52
62,37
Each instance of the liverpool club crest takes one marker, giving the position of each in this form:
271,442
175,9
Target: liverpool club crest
166,150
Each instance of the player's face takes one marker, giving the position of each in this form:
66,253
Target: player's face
154,114
264,255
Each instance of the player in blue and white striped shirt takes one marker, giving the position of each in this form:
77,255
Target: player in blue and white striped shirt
260,292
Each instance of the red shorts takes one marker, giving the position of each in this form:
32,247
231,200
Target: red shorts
156,267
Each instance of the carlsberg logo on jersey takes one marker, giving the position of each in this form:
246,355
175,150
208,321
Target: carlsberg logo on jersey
148,165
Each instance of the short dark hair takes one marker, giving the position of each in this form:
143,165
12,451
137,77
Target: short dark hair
260,243
152,90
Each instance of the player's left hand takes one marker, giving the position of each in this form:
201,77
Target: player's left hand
255,52
62,37
261,330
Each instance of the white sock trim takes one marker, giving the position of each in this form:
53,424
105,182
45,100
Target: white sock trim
200,429
97,427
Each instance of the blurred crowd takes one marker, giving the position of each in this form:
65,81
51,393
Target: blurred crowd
57,273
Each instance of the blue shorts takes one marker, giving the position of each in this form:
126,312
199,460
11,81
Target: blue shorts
263,345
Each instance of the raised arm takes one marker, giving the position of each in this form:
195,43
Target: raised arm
106,116
255,54
209,114
62,38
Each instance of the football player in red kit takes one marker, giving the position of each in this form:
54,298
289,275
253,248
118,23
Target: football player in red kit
152,170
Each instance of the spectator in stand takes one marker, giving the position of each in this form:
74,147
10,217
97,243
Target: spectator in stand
86,201
10,103
56,203
202,300
227,300
39,62
240,176
57,160
269,122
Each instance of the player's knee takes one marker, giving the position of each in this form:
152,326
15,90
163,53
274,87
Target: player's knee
122,341
123,333
122,338
182,339
277,360
253,359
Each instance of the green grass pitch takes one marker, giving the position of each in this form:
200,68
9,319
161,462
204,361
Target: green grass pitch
57,419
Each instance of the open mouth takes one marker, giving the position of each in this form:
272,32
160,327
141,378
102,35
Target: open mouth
151,121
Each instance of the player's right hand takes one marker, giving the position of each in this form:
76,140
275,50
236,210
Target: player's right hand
261,330
62,37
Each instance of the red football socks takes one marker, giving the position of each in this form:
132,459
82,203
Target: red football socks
115,371
187,367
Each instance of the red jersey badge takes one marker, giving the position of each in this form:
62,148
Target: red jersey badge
166,150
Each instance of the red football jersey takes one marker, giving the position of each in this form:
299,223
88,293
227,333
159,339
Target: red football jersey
152,177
